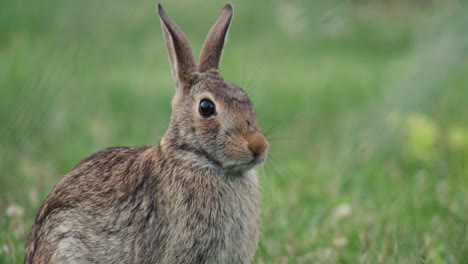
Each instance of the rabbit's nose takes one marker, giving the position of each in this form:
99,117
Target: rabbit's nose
257,143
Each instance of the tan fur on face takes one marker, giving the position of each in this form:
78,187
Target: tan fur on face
192,199
232,137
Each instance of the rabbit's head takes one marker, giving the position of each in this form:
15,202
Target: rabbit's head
210,117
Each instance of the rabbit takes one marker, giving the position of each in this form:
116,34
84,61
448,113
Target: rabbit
192,199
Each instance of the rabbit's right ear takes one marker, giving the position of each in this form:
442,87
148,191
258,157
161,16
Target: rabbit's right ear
214,43
180,52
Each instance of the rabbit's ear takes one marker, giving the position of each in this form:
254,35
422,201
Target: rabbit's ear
214,43
179,49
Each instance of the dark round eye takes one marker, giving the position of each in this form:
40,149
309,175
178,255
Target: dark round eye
207,108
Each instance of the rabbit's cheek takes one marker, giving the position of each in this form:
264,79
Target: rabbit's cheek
207,128
236,150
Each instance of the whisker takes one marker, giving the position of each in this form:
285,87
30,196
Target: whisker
266,175
255,75
244,71
280,165
251,91
280,138
273,167
271,128
268,182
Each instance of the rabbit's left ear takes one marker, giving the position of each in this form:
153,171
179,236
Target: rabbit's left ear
214,43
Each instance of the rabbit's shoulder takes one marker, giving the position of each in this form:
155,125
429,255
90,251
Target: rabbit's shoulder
103,179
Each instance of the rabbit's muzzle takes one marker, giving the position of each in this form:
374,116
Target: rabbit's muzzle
258,145
245,151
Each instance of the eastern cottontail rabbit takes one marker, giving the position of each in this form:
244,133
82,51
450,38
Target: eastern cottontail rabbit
192,199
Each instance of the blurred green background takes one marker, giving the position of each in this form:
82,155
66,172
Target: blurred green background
365,104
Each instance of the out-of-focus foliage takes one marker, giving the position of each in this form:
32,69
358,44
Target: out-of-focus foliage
365,104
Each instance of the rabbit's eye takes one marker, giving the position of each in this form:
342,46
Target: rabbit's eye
207,108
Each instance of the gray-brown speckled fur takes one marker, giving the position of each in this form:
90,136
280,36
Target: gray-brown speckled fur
192,199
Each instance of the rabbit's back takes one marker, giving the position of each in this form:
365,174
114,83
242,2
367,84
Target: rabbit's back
90,205
141,205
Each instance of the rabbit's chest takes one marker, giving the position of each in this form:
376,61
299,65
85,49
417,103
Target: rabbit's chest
217,223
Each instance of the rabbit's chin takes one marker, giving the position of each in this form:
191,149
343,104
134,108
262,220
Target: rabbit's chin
241,166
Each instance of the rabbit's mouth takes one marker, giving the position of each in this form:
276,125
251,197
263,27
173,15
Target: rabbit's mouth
245,166
258,159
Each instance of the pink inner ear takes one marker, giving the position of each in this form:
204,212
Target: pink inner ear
179,49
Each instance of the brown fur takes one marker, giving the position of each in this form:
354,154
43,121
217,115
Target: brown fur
192,199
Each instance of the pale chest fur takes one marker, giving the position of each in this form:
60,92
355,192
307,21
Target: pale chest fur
214,220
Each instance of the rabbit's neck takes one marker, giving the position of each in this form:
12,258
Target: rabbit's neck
181,142
197,159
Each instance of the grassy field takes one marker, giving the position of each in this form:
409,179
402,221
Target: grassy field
365,104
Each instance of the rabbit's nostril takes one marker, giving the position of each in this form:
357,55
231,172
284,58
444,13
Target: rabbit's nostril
257,144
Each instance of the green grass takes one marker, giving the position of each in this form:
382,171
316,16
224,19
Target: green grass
367,101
